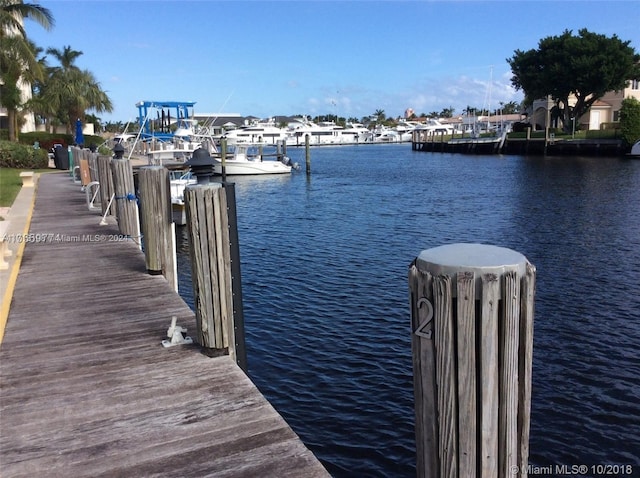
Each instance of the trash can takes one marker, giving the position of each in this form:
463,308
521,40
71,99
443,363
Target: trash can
61,158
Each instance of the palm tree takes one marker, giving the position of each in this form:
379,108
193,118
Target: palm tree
379,114
470,111
40,109
70,91
18,63
447,112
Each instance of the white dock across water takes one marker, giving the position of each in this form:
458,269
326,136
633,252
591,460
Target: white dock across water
86,388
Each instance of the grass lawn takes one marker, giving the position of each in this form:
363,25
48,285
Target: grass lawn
10,184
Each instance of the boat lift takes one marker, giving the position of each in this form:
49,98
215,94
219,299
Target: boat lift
160,127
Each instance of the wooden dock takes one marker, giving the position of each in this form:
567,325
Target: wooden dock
522,146
86,388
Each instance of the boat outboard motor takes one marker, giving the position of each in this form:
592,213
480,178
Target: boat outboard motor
286,160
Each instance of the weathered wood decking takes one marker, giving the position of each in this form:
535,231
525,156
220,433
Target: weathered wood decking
86,389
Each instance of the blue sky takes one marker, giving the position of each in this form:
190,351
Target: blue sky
349,58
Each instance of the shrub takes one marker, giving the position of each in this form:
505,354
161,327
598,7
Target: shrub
15,155
630,120
47,140
602,134
521,127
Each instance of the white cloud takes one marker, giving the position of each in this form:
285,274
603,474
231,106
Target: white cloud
459,92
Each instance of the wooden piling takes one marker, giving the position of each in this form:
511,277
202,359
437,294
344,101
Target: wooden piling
472,343
307,153
155,215
125,198
223,158
106,182
236,289
92,158
208,232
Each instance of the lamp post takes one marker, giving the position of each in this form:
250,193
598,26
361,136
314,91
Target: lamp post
573,128
201,165
118,151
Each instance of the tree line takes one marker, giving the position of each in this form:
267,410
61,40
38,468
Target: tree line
379,116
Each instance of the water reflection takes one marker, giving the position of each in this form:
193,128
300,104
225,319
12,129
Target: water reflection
324,262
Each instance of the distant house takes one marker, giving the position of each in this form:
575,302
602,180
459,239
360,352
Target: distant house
604,110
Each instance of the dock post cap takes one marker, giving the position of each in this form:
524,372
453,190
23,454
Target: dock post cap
480,259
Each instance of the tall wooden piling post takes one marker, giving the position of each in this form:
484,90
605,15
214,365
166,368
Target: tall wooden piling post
94,173
215,261
106,182
472,342
155,210
307,153
223,158
125,197
239,347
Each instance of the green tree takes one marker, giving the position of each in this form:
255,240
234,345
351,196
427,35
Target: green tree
470,111
114,127
507,108
630,120
380,115
41,109
70,91
97,122
18,63
447,112
582,67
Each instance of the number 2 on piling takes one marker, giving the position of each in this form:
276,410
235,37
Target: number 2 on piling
425,328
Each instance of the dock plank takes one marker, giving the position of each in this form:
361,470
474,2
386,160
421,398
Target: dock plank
86,389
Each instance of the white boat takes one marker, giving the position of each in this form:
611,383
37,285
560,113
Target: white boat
260,132
325,132
244,161
177,150
178,181
435,126
635,150
384,134
405,129
357,133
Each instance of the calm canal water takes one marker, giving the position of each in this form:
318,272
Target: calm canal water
324,273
